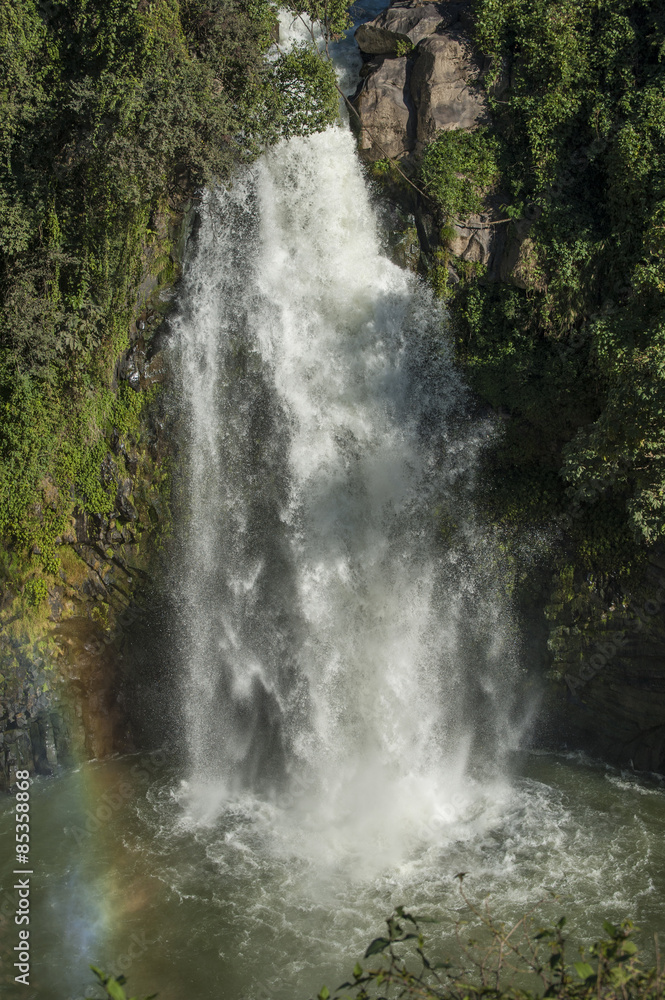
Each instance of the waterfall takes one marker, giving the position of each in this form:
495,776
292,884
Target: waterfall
349,654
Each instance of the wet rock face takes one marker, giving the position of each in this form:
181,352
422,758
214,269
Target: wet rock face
69,654
39,746
61,694
144,364
36,732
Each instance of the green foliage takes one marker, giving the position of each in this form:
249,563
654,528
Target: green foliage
111,113
573,351
331,15
36,591
113,986
309,100
519,962
404,47
458,168
625,447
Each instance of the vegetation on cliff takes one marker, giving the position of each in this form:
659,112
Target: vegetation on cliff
572,342
112,112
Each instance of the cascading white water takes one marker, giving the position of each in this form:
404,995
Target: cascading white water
340,653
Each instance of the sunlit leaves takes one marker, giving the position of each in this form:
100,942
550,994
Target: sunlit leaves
113,111
459,168
516,961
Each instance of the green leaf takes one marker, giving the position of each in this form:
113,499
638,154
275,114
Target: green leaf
610,929
114,989
324,994
584,970
629,947
377,946
357,970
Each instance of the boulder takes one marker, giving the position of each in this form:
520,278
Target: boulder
473,240
129,367
481,238
444,86
405,23
123,504
519,264
386,111
155,369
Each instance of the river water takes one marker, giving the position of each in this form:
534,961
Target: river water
244,908
353,693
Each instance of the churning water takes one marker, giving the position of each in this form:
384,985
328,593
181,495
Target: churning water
351,681
240,909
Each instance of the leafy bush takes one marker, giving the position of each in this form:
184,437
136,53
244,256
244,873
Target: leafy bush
458,169
308,94
518,962
113,986
574,353
331,15
111,114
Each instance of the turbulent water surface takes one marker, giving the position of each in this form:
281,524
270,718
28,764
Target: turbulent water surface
244,908
352,688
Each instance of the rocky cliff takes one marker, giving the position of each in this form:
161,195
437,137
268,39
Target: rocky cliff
594,608
423,76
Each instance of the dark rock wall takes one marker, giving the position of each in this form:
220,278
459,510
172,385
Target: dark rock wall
607,668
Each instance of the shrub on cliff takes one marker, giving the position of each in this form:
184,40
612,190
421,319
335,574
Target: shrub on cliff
457,170
332,16
111,113
573,344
